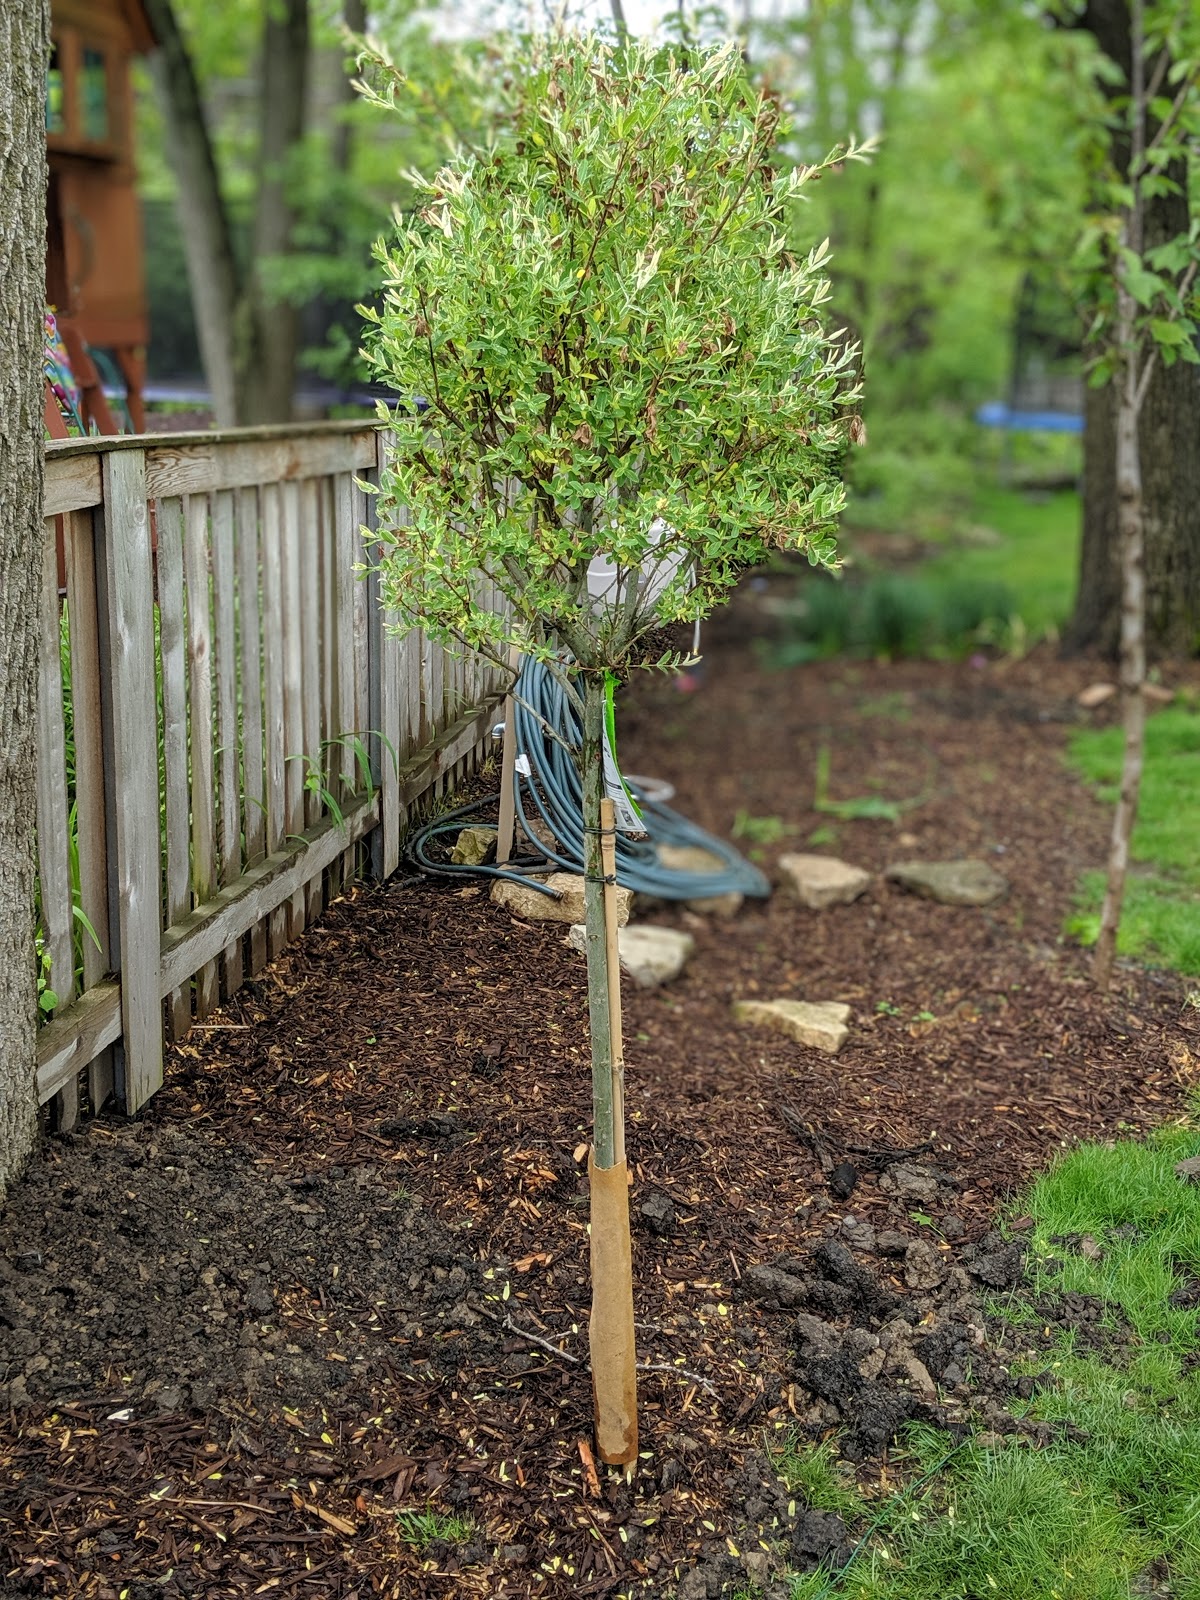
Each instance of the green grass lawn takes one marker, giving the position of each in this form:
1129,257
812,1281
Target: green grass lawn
1005,577
1109,1513
1160,920
1036,556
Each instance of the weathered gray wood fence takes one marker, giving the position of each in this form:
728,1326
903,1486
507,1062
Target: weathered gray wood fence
219,687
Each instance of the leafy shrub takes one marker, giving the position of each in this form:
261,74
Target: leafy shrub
893,617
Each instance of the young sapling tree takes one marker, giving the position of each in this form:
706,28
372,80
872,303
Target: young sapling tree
603,345
1143,291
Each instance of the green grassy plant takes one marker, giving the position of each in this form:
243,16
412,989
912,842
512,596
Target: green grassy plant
1161,916
422,1528
1088,1515
1003,576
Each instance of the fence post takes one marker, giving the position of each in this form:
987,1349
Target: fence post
126,563
384,679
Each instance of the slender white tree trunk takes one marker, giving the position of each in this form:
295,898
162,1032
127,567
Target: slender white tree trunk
1131,527
24,49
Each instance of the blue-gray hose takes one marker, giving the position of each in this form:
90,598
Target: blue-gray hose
552,789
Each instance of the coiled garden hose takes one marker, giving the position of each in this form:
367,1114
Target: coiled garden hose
547,786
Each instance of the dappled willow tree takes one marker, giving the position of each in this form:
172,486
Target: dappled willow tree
616,354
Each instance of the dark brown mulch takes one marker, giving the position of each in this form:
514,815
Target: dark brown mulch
323,1283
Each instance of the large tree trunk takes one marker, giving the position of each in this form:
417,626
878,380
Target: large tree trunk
267,376
24,52
1169,439
203,220
247,332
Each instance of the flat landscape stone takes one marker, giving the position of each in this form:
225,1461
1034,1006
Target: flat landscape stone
822,881
1095,695
820,1024
695,858
952,883
648,954
524,901
473,847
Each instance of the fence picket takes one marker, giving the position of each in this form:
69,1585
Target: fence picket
200,709
293,687
225,659
250,636
79,551
54,862
172,644
273,632
135,885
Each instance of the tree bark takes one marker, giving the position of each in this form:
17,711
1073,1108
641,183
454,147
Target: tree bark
267,369
1131,529
203,219
1169,441
24,54
248,334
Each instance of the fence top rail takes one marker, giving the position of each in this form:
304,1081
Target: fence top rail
191,463
102,444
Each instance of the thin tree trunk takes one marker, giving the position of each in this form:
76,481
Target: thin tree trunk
203,219
24,52
1133,654
1169,446
1131,525
267,371
603,1131
610,1330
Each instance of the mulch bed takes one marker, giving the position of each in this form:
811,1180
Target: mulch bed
338,1272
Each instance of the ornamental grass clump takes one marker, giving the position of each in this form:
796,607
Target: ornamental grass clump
602,345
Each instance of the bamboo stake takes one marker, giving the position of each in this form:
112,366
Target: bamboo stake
608,858
508,765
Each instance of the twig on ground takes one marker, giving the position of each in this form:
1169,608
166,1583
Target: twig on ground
677,1372
530,1338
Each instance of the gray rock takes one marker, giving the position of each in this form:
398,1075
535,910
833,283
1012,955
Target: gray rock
919,1373
524,901
1188,1170
822,881
774,1288
815,1338
649,955
859,1235
924,1266
694,858
889,1242
820,1024
909,1181
953,883
659,1213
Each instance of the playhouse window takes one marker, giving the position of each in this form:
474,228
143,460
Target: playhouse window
93,95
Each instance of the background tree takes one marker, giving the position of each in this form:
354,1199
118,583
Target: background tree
254,131
24,53
1169,413
619,355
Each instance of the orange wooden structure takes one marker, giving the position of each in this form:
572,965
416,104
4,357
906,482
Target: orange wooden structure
94,270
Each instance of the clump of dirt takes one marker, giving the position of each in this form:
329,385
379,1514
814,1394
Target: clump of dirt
171,1273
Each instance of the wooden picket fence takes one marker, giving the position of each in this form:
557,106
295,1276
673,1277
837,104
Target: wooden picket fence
228,729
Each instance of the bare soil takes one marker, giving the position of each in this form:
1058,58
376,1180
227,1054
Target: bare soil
338,1273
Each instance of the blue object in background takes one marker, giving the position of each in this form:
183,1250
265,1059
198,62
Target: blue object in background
998,415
